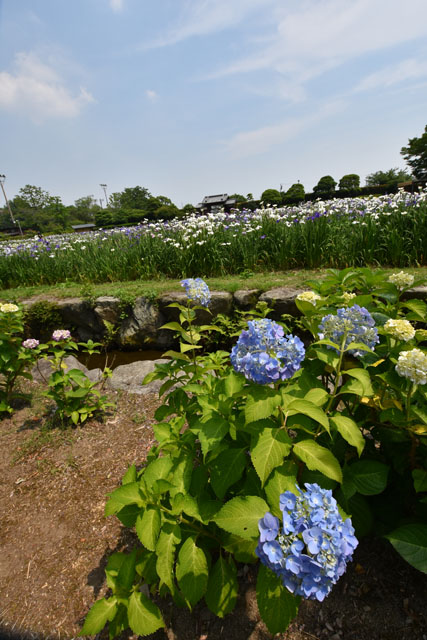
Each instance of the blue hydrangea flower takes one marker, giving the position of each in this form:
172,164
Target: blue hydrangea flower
311,550
356,322
264,355
197,291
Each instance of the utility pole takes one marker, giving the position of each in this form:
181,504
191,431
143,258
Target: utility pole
2,179
104,186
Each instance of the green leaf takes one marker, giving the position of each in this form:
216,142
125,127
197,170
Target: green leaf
349,431
173,326
418,308
157,470
308,409
226,469
126,574
282,479
364,378
410,541
169,537
240,515
318,458
130,475
75,417
192,571
147,527
420,480
271,447
369,476
233,383
100,613
277,606
128,514
261,403
143,615
317,396
221,592
359,346
211,432
241,549
126,494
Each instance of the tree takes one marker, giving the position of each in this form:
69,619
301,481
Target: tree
388,178
271,196
238,197
84,209
130,198
415,154
295,193
326,185
350,182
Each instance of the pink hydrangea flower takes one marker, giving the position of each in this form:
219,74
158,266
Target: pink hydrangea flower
61,334
31,343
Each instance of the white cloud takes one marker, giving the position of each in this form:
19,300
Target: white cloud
151,95
36,89
116,5
407,70
248,143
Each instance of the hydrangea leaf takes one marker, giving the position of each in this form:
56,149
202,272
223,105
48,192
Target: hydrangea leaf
364,378
226,469
282,479
318,458
147,527
309,409
221,592
261,405
211,432
270,448
240,515
277,606
410,541
124,495
192,571
369,476
143,615
349,431
169,537
420,480
101,612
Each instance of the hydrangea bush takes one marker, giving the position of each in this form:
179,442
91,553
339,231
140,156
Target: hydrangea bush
284,452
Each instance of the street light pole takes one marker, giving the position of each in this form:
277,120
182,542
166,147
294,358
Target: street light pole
104,186
2,179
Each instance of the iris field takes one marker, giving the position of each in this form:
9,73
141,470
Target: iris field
387,230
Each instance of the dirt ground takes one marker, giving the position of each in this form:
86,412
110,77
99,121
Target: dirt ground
55,541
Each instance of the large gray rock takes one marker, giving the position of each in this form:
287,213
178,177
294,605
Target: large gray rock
107,308
78,315
221,302
142,327
43,369
417,292
129,377
282,299
246,299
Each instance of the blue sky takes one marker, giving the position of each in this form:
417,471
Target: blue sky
196,97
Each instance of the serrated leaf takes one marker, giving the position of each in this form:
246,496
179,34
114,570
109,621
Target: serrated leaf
169,537
157,470
318,458
349,431
364,378
226,469
233,383
299,405
282,479
130,475
418,308
317,396
240,515
126,574
147,527
143,615
271,447
420,480
261,403
221,592
128,514
410,541
277,606
192,571
211,432
100,613
124,495
241,549
369,476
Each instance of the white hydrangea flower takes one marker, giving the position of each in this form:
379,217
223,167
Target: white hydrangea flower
400,329
9,308
347,296
401,279
413,365
308,296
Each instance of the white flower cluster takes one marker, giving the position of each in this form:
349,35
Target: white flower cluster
401,279
8,308
413,365
347,296
400,329
308,296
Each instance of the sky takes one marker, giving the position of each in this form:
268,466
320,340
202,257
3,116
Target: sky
190,98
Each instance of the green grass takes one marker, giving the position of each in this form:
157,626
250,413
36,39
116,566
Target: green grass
154,288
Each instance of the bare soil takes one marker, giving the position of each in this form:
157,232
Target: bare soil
55,542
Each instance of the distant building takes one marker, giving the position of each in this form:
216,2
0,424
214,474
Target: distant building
83,227
413,185
213,204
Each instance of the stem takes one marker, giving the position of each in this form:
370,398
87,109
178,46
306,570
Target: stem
338,371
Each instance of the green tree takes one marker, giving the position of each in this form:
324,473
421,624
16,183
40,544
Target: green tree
349,182
130,198
271,196
415,154
238,197
37,209
295,193
84,209
326,185
388,178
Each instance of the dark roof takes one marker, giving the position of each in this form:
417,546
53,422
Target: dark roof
76,227
219,199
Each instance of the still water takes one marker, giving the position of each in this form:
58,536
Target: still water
115,358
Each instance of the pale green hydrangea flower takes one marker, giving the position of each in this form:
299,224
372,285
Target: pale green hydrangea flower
400,329
308,296
401,279
8,308
413,365
347,296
